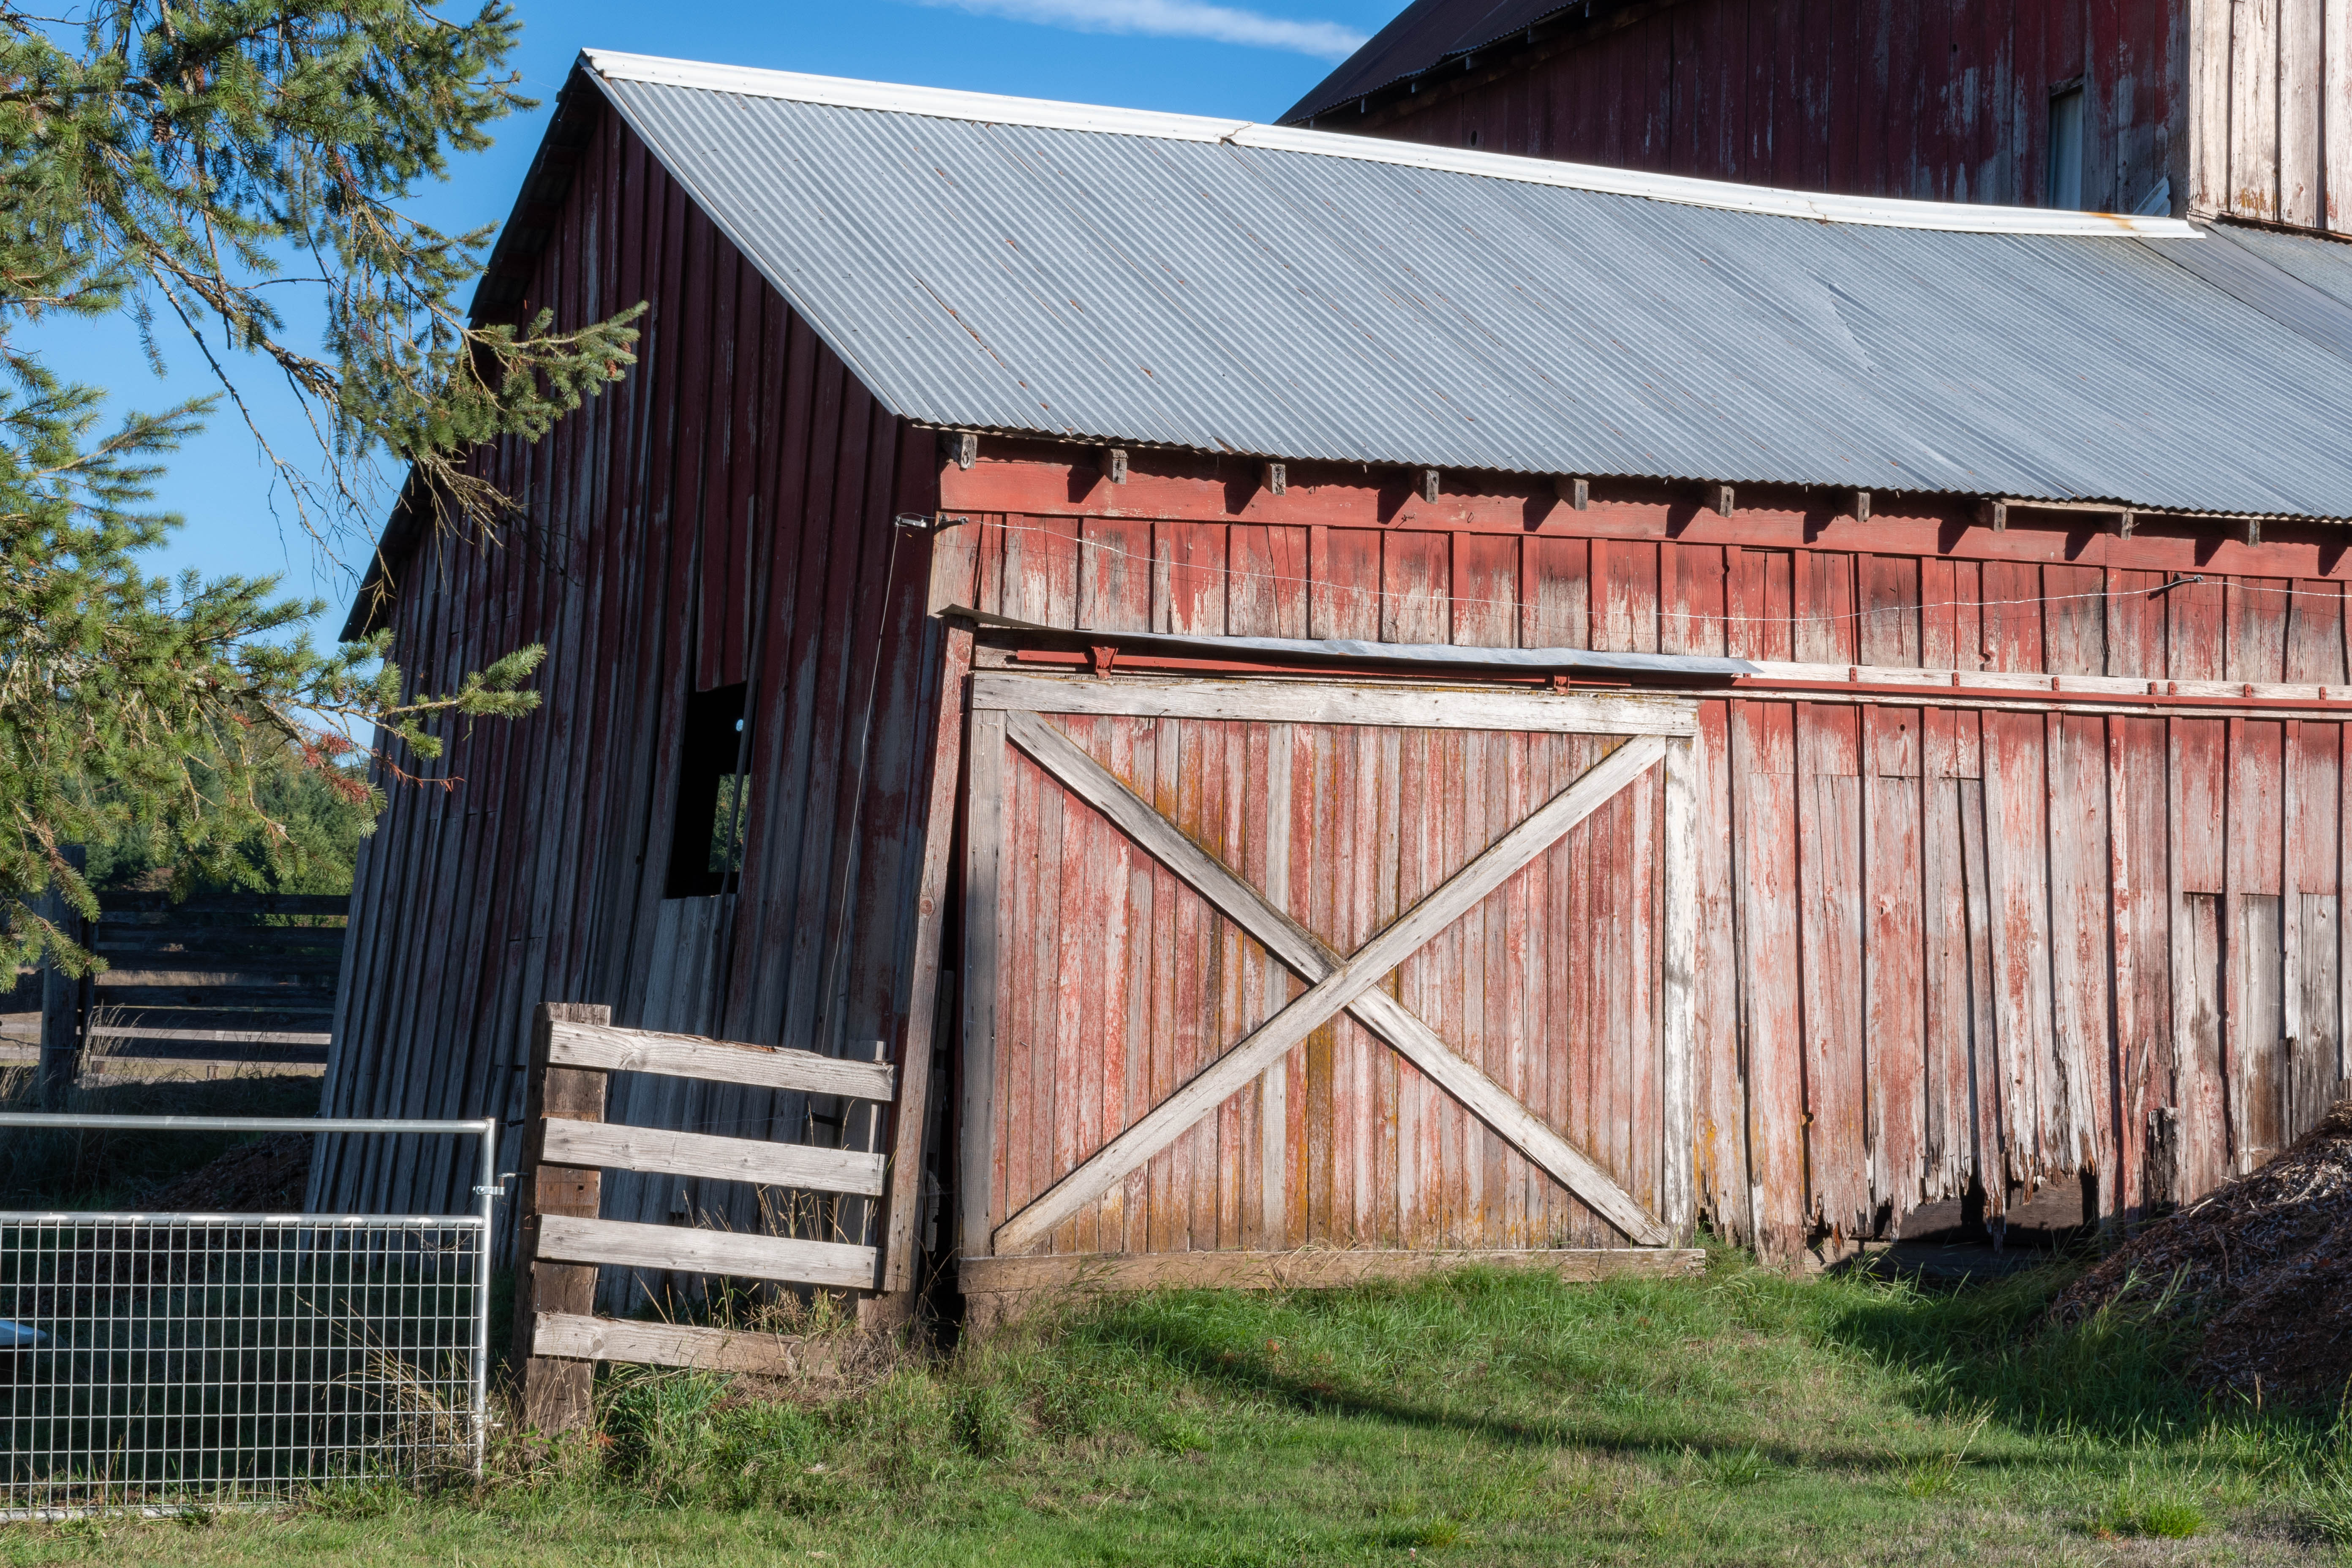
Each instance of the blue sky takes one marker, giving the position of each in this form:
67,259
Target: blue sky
1247,60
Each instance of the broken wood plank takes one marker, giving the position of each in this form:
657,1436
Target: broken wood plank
726,1061
656,1152
686,1250
571,1336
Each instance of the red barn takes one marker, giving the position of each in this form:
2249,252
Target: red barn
1319,694
2135,106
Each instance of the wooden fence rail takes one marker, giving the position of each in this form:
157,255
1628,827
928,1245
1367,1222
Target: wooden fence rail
229,979
567,1146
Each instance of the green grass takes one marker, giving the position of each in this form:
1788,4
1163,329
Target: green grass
1484,1419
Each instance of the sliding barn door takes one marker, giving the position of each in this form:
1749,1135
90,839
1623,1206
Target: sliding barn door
1260,965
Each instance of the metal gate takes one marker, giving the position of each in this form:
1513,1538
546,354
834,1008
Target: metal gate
157,1361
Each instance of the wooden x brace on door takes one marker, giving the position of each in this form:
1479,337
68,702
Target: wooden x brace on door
1348,982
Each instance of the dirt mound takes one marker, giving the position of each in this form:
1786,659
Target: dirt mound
266,1177
2264,1263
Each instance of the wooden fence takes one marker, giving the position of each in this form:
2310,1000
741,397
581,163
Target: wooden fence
212,983
567,1146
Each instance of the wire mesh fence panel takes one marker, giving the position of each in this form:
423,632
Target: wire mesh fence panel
169,1361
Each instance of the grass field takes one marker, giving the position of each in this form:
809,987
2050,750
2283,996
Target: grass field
1484,1419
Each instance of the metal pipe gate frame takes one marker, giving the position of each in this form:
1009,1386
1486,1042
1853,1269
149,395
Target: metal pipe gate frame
206,1474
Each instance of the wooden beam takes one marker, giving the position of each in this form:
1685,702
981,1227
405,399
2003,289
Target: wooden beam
1311,1269
1719,499
909,1115
1576,492
1114,464
1993,514
688,1250
1430,480
1332,702
572,1337
960,448
657,1153
1277,480
556,1395
1679,988
1312,960
726,1061
1316,1006
983,837
1857,505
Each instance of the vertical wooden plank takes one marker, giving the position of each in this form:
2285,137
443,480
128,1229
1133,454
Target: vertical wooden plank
1770,877
2252,953
1191,598
2075,631
1679,997
909,1116
1625,602
1953,960
1892,632
1554,599
1484,583
555,1394
2017,850
984,909
1415,592
1690,598
1115,574
1274,1084
2335,79
2302,73
1824,619
1894,948
1347,570
2198,803
1759,599
2082,948
1829,834
2254,108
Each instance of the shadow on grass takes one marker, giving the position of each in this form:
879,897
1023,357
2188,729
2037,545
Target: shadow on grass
1981,1351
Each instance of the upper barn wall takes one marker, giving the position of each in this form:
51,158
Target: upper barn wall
2226,104
722,515
1945,936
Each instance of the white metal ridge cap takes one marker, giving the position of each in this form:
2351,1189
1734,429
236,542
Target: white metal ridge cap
947,103
934,102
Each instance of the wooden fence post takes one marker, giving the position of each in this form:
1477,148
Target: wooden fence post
555,1392
63,996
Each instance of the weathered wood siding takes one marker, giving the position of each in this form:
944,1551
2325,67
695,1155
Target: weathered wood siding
1123,982
2269,109
724,515
1947,100
1939,940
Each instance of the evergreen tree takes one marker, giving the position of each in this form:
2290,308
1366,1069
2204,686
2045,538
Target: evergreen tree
176,161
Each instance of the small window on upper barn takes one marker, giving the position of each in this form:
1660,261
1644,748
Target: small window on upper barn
706,847
2065,182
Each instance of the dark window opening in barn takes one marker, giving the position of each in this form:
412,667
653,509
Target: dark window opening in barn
706,847
2065,183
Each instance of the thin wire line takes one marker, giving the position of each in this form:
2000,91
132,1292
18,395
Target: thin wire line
1383,595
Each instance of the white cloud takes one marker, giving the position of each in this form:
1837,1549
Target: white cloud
1172,19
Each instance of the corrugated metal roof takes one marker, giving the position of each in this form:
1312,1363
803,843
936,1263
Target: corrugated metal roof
1100,274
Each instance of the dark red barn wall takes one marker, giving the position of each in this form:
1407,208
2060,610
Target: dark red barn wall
2004,937
723,515
1945,99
